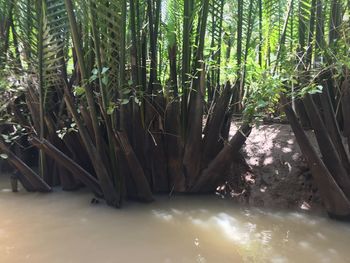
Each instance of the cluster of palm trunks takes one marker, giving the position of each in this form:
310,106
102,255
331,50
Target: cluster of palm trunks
153,143
151,160
327,114
156,141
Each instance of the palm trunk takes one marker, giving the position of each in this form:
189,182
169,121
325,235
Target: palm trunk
335,201
37,183
330,155
109,192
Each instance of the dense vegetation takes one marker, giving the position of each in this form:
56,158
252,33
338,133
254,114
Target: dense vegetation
114,93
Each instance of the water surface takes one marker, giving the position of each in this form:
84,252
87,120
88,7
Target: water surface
65,227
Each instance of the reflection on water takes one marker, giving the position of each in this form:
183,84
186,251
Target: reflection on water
65,227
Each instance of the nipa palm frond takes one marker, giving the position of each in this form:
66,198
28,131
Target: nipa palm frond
107,16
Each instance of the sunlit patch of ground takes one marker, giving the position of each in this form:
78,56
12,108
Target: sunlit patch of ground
281,176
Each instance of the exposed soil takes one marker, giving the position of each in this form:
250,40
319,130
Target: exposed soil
279,176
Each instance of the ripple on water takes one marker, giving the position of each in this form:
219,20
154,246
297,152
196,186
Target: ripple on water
65,227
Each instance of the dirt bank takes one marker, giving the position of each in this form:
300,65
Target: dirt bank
280,177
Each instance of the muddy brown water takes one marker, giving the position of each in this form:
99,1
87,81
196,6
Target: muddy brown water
65,227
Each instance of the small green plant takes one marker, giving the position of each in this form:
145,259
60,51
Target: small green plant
263,94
